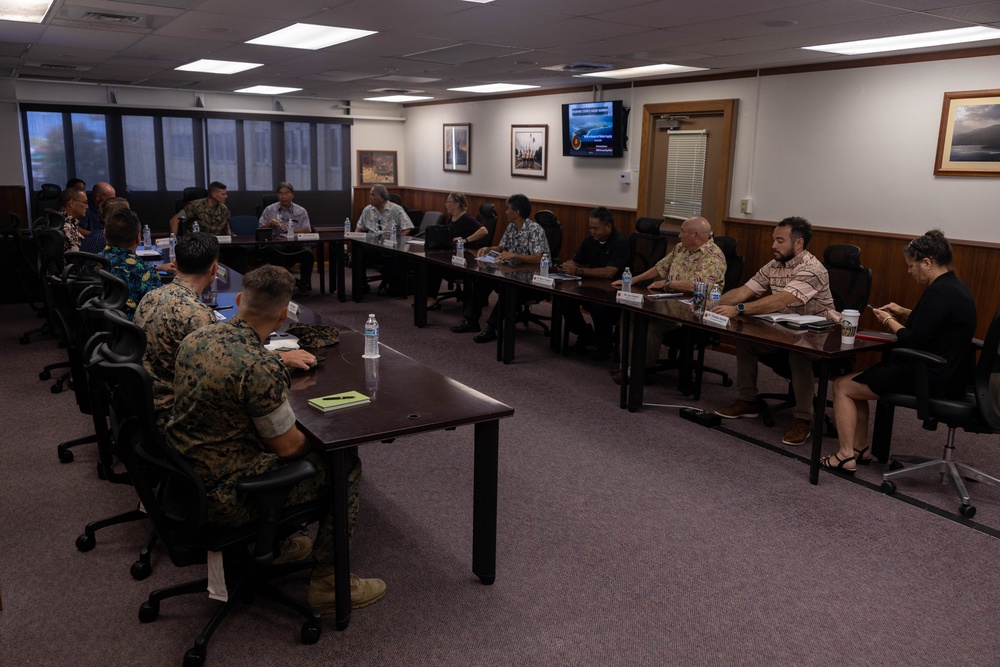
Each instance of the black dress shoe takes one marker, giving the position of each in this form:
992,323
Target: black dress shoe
487,335
467,326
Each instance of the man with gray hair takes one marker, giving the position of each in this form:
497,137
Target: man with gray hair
379,216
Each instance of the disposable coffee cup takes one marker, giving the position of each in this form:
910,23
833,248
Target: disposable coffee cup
849,326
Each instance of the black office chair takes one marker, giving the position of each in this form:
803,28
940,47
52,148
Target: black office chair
51,242
978,411
266,200
554,234
47,197
429,218
189,194
487,217
176,499
850,286
395,199
25,270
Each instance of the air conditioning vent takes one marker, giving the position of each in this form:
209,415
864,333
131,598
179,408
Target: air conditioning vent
117,19
58,66
580,67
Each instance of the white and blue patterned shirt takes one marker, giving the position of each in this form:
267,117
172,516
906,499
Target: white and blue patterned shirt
372,220
529,240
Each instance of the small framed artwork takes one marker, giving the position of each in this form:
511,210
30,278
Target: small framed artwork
377,167
969,138
529,150
458,147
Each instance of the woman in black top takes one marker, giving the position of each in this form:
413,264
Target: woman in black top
461,226
943,323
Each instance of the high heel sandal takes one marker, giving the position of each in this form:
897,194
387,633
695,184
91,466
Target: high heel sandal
828,463
859,456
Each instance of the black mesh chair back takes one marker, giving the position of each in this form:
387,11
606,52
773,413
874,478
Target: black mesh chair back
488,218
266,200
429,218
47,197
850,283
553,231
645,251
648,225
734,263
190,194
395,199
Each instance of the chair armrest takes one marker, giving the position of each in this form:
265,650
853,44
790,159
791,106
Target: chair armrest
270,491
920,362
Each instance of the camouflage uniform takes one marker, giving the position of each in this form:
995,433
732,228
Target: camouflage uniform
211,219
167,315
139,276
230,393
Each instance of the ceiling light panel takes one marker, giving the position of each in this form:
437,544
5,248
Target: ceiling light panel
310,36
915,41
398,99
493,88
218,66
24,11
267,90
640,72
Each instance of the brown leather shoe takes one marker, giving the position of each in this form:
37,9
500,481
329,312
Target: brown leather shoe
798,434
322,598
739,409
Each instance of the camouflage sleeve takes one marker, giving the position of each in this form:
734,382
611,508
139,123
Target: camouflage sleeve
275,423
265,394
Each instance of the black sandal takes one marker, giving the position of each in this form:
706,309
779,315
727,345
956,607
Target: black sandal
827,463
859,456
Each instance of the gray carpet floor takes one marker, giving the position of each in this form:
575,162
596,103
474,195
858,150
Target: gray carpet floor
624,539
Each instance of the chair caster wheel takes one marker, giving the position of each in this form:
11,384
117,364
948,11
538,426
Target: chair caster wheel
193,659
140,570
727,382
65,456
56,389
23,340
895,465
44,375
149,611
85,542
968,511
768,422
888,487
311,632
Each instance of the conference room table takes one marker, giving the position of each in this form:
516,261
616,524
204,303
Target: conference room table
407,398
331,241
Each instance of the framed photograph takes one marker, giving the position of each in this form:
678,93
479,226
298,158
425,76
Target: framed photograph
376,167
529,150
969,139
458,147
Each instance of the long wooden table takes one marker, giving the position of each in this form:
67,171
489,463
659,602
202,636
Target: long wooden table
328,239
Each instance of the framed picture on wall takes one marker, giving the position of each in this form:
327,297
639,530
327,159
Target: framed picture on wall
529,150
376,167
969,138
458,147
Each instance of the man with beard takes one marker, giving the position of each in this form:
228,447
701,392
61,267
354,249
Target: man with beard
795,281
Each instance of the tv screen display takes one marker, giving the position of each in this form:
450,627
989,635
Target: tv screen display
593,129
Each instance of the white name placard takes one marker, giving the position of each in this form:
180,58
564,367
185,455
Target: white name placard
716,319
357,236
309,236
543,281
222,273
631,298
163,243
458,261
225,239
293,310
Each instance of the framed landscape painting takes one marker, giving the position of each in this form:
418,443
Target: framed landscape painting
529,150
969,138
377,167
458,147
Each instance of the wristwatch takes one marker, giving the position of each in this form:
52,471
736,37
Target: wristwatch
740,307
579,272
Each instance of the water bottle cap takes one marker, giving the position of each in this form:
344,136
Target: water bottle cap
371,314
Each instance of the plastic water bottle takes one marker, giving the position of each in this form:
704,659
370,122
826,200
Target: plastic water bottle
460,247
627,280
392,232
173,247
147,238
290,229
194,226
371,338
543,265
714,296
347,225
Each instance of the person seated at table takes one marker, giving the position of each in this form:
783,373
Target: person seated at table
73,206
124,234
380,216
232,419
98,194
524,241
695,257
604,253
461,225
280,215
213,217
798,283
943,323
96,242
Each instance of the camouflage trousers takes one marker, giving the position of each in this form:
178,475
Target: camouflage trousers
236,509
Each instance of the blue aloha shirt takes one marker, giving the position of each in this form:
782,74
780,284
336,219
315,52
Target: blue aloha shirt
139,276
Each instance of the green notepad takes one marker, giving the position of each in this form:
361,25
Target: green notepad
338,401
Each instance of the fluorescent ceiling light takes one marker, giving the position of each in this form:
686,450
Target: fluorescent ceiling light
482,2
267,90
25,11
646,70
310,36
398,98
903,42
493,88
218,66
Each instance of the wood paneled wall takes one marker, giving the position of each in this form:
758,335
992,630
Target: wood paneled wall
978,264
12,199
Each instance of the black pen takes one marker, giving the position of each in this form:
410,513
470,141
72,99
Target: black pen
224,308
335,398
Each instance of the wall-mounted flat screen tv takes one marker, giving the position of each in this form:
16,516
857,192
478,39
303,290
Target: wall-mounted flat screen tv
594,129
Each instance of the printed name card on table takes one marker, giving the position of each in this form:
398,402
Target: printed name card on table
308,236
293,310
357,236
221,273
716,319
459,261
225,239
630,298
543,281
163,243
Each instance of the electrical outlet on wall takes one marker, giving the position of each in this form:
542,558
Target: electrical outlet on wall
745,206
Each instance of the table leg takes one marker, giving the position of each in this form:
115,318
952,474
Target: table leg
358,275
420,295
484,501
339,261
508,322
321,261
637,374
555,334
341,542
819,411
624,335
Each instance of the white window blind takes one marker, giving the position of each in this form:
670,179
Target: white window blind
685,173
